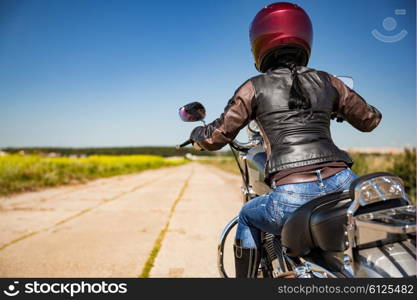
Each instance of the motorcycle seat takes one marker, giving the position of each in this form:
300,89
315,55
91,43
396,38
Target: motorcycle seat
320,223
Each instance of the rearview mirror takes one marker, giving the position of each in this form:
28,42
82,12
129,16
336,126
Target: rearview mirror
192,112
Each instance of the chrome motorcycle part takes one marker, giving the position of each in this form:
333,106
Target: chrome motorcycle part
348,265
379,188
394,220
307,270
317,269
220,246
303,271
272,246
253,127
248,191
376,262
366,190
246,146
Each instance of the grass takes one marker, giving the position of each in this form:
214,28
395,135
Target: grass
28,173
369,163
225,163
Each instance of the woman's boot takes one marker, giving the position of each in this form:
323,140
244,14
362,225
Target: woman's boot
246,260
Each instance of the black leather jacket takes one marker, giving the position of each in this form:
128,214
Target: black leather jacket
292,137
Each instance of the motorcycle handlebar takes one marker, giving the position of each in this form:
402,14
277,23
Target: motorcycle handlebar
235,144
245,146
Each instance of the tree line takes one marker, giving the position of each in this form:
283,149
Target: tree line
164,151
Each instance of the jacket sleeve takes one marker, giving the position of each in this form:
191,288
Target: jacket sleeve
224,129
354,109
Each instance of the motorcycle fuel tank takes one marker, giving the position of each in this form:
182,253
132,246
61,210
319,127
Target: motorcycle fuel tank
256,160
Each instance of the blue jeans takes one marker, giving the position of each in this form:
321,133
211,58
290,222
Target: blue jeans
268,212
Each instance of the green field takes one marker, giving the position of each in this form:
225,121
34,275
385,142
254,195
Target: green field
164,151
27,173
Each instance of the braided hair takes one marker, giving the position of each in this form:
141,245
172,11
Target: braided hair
291,58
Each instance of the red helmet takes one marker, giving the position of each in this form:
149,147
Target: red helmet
280,28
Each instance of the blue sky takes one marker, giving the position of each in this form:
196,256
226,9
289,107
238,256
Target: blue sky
113,73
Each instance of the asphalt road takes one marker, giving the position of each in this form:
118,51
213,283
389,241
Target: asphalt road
108,227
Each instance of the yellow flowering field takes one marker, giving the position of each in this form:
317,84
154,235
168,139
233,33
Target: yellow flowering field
25,173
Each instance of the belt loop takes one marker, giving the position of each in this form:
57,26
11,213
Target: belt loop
318,172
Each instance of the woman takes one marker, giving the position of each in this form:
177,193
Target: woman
293,106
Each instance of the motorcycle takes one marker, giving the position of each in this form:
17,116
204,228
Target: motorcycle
366,231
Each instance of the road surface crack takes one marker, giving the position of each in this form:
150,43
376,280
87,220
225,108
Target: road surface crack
158,242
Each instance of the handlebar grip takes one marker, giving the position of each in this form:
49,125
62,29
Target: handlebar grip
184,144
